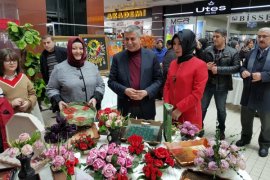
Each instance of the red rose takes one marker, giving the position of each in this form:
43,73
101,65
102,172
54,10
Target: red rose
100,123
135,140
169,161
76,161
107,110
121,177
147,170
161,152
158,163
148,158
70,170
83,146
159,173
131,149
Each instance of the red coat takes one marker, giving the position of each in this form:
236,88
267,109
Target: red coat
184,88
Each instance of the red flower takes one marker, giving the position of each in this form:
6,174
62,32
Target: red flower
131,149
70,170
151,172
148,158
83,146
161,153
169,161
158,163
135,140
121,177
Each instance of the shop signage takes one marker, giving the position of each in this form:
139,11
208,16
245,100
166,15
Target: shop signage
139,13
180,20
213,7
250,17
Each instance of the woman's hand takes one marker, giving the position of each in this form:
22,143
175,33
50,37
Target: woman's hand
176,114
62,105
92,102
17,102
25,106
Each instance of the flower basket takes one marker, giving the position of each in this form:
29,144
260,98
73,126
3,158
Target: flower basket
79,113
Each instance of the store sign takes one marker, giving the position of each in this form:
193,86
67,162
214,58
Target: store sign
250,17
212,7
180,20
127,14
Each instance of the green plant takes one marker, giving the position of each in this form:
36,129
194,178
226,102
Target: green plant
25,37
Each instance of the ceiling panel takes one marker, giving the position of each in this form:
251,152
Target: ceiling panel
121,5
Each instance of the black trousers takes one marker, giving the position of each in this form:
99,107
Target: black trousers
247,117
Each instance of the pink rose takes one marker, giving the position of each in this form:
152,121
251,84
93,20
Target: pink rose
109,171
91,157
121,161
212,166
129,161
224,164
118,123
209,152
116,151
198,161
112,115
24,137
191,133
109,158
13,152
224,144
102,153
63,150
27,149
110,149
184,131
38,145
123,170
108,123
98,163
223,153
58,161
234,148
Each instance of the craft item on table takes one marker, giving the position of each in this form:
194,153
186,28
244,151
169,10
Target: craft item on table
185,151
189,174
151,131
167,121
89,131
79,113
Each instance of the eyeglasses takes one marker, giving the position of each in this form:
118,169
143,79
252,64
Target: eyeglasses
262,36
14,61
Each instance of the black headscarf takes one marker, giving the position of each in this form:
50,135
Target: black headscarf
188,42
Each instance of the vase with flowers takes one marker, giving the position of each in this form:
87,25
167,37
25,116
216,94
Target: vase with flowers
111,120
23,146
188,130
110,161
62,160
220,157
83,143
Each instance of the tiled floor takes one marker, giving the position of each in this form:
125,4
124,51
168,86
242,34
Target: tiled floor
257,167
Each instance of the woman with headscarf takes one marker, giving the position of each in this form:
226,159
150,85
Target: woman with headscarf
75,80
186,80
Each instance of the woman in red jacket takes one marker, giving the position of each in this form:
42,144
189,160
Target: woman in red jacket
186,80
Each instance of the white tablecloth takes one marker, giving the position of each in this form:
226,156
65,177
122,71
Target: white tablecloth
234,96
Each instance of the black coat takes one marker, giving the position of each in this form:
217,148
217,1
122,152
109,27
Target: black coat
227,65
169,56
60,55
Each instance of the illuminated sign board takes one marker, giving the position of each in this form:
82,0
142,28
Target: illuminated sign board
212,7
132,14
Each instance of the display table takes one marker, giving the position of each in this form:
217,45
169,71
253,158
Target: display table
234,96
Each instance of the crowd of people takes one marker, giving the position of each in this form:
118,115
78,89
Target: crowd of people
186,74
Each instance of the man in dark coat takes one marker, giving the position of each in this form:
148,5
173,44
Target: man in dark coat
169,56
256,92
51,56
135,76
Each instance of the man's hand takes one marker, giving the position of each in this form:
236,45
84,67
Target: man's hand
130,92
210,65
92,102
245,74
256,77
139,95
214,69
176,114
62,105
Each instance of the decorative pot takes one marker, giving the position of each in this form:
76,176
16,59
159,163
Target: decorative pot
114,136
26,171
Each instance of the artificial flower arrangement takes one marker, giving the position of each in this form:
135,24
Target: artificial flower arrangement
110,161
155,161
25,144
188,130
60,131
110,119
62,159
83,143
219,157
136,146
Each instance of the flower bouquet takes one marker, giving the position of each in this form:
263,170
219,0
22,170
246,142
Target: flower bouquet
60,131
188,130
83,143
110,162
62,159
219,157
136,144
155,161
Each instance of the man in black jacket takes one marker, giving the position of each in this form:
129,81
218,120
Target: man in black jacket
51,56
222,61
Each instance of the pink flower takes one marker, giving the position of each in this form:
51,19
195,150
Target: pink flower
223,153
108,123
198,161
118,123
121,161
129,161
110,149
184,131
109,171
122,153
191,133
116,151
98,163
91,157
212,166
63,150
58,161
13,152
123,170
109,158
234,148
24,137
27,149
112,115
224,144
224,164
102,153
209,152
38,145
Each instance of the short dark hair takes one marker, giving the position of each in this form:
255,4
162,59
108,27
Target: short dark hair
6,52
169,42
223,32
47,36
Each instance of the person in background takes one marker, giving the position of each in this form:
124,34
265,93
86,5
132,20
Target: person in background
135,77
16,86
75,80
160,50
186,80
256,92
222,61
169,56
50,56
249,44
234,44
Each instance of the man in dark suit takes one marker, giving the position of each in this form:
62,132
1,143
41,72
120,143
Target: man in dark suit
135,77
256,92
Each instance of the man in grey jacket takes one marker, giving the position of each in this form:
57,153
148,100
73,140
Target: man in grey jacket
222,61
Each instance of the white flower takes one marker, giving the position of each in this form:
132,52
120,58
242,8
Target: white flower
109,123
27,149
24,137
